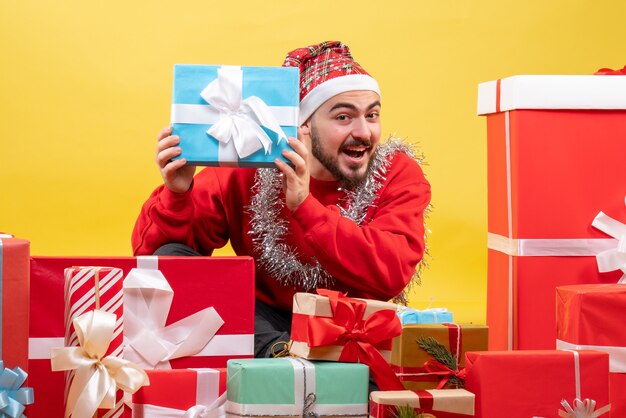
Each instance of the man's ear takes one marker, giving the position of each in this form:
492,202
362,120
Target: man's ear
305,128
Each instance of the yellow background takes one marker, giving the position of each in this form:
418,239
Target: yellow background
85,87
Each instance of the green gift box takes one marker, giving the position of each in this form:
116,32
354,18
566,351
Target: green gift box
294,387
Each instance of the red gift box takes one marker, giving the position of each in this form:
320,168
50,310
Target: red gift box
532,383
588,318
555,147
14,289
224,283
173,392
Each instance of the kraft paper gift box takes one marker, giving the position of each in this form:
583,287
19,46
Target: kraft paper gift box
14,295
588,318
198,283
448,403
293,387
424,316
555,146
331,326
419,370
533,383
234,116
174,392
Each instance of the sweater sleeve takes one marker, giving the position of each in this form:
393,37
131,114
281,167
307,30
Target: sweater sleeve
375,260
195,218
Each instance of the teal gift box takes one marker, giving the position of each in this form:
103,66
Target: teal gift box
426,316
294,387
234,116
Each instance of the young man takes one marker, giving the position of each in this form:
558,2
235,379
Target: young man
347,216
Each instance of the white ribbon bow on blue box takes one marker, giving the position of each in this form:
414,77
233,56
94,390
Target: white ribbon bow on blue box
234,116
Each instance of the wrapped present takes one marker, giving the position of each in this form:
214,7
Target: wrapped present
14,397
195,390
330,326
549,138
235,116
225,284
96,377
412,352
86,289
532,383
294,387
14,295
424,316
449,403
586,320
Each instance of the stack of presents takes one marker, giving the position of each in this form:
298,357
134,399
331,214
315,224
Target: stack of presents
174,336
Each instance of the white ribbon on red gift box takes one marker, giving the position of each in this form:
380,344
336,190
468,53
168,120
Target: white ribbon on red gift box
150,343
214,410
236,122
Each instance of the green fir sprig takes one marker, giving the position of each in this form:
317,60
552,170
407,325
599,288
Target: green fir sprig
407,411
443,356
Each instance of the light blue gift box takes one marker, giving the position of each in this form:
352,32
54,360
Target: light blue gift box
293,387
426,316
254,109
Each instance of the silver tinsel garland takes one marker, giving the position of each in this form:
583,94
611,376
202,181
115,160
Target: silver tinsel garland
268,228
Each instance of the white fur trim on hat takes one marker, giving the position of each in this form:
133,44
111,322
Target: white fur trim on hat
333,87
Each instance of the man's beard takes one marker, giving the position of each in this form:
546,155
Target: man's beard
330,162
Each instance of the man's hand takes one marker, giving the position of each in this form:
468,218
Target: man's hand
295,180
177,175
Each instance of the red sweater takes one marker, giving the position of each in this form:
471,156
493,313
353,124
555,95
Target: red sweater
375,260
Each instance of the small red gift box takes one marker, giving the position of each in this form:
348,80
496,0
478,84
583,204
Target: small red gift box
14,294
555,147
588,318
532,383
223,283
172,392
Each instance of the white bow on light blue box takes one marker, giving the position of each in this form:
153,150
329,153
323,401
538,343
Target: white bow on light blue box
234,116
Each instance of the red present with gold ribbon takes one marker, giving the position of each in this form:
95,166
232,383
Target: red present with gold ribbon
331,326
14,293
533,383
555,146
448,403
419,369
587,319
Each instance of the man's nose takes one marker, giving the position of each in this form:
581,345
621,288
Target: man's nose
360,128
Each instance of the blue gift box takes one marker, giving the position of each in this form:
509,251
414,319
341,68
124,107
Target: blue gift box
234,116
426,316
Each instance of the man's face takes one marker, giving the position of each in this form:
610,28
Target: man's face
344,133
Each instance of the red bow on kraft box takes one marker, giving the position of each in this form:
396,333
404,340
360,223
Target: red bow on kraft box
331,326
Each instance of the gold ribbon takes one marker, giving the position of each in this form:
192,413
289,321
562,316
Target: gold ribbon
97,377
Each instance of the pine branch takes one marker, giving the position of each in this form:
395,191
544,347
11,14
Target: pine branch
442,355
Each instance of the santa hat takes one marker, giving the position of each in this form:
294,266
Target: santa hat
327,69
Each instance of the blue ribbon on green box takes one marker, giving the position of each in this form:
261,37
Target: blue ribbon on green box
296,387
234,116
425,316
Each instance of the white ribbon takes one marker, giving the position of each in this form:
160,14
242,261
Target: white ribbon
582,409
214,410
147,301
615,258
240,122
610,253
617,355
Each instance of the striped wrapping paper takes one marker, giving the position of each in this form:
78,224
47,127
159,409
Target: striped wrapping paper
86,289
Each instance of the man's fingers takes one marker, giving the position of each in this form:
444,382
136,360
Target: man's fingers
169,171
166,155
167,142
167,131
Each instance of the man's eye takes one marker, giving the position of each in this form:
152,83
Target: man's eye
373,115
342,117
